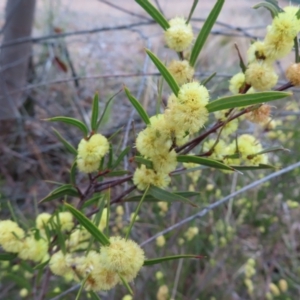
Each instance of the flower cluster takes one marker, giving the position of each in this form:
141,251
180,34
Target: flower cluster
28,247
278,42
185,114
90,153
101,271
245,150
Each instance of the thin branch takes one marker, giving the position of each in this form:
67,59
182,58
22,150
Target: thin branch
125,10
72,33
204,211
70,290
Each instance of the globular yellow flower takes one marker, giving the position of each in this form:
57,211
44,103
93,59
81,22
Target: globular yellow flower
78,239
261,76
122,256
143,177
179,35
181,71
155,138
236,83
23,293
91,269
59,264
11,236
90,153
162,293
249,284
274,289
230,127
127,297
249,271
32,249
292,204
163,206
257,51
188,112
280,35
283,285
219,150
293,74
160,241
65,220
259,115
193,94
191,233
164,161
42,220
159,275
120,210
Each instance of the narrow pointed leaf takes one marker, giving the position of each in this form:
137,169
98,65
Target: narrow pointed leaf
42,265
192,11
150,198
94,296
268,150
110,156
150,262
203,161
67,145
88,225
148,163
126,284
73,173
95,112
154,13
120,158
65,190
107,107
259,167
205,31
208,79
164,72
164,195
244,100
71,121
269,6
7,256
137,105
95,198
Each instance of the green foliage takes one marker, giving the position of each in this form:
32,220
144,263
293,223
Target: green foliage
164,73
205,31
244,100
88,225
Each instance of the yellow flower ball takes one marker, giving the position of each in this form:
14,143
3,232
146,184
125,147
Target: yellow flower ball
11,236
66,220
162,293
143,177
59,265
257,51
42,220
181,71
236,83
160,241
35,250
261,76
90,153
179,35
122,256
293,74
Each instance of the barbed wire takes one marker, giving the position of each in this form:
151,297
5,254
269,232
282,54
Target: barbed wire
204,211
